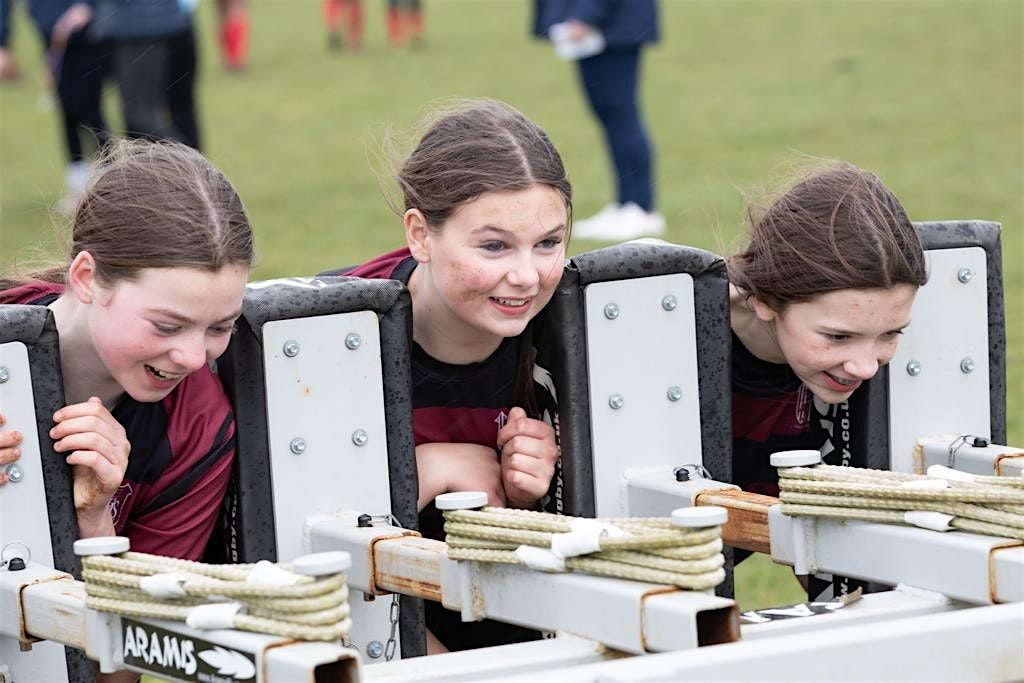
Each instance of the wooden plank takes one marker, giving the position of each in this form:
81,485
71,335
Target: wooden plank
747,527
409,565
55,610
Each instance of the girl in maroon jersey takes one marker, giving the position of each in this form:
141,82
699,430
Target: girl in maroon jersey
160,253
486,207
818,300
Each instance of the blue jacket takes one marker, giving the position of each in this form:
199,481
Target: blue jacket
625,23
140,19
44,13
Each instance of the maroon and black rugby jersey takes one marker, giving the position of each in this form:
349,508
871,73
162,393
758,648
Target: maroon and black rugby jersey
772,410
182,450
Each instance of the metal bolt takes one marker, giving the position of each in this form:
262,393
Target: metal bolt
374,649
14,473
353,341
674,393
360,437
291,348
616,401
297,446
5,374
914,368
611,311
670,302
967,365
965,275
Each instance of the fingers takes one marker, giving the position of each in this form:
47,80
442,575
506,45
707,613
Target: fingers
89,426
519,423
10,440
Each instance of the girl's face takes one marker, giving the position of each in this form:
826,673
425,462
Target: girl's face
153,331
495,262
837,340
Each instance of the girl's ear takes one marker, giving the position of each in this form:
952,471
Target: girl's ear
417,235
82,278
763,311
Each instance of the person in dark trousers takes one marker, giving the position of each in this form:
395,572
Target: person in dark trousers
616,32
155,65
78,63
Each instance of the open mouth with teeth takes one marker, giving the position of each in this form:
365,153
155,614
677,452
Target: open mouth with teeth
841,384
161,375
511,303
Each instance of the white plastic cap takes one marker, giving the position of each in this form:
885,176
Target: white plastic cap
101,545
803,458
700,517
322,564
461,500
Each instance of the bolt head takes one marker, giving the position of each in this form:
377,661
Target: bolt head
353,341
290,348
374,649
616,401
360,437
965,275
5,374
297,446
674,393
670,302
967,366
914,368
14,473
611,311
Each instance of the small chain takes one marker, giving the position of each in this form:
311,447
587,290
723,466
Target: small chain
392,644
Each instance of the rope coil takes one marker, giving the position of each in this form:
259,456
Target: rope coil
310,608
652,550
993,506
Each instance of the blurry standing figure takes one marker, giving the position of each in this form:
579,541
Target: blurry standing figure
606,38
344,22
233,33
155,65
77,64
405,22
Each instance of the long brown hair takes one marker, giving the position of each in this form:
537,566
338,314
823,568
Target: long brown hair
472,147
837,227
154,205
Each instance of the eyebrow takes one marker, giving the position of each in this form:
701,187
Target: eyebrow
188,321
514,233
850,333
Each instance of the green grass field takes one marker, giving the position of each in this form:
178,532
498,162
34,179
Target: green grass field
927,93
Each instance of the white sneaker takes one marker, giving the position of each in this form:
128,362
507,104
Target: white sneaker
76,179
588,227
624,223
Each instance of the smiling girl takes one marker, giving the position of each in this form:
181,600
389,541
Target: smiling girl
486,206
818,300
160,253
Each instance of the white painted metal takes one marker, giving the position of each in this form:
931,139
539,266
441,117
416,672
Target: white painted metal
343,534
628,615
654,491
899,603
953,563
977,644
949,324
636,353
24,517
950,450
310,662
323,395
535,658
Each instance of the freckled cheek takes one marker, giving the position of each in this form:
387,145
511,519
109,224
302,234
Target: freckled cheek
469,284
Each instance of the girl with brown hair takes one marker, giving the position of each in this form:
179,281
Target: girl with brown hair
160,252
818,300
486,207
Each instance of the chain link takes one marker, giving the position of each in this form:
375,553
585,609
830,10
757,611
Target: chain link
392,644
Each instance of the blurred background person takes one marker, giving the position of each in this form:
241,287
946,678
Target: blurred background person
76,65
405,22
606,38
344,22
155,64
233,33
